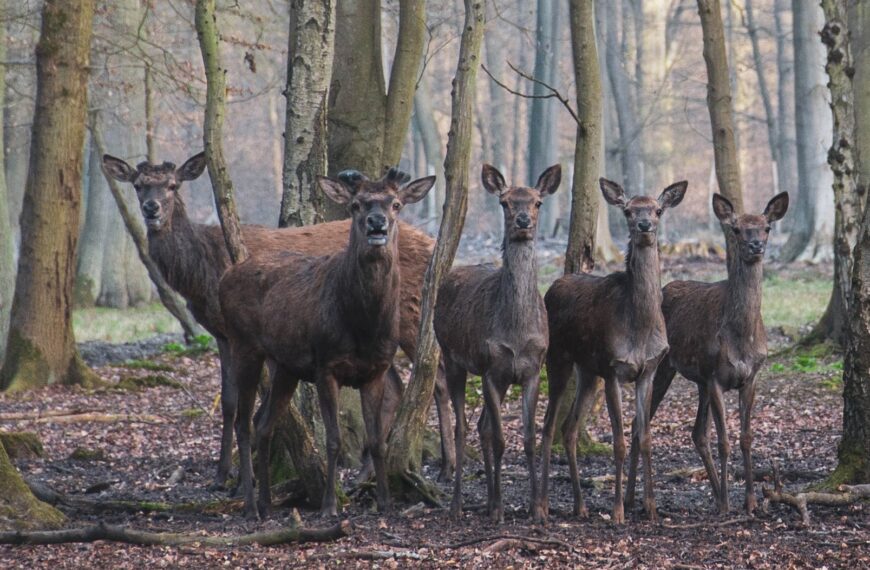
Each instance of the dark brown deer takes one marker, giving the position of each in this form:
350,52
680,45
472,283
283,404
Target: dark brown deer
333,320
492,322
610,327
718,341
192,258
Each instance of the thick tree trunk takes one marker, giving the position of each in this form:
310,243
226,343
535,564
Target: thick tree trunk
812,233
403,450
19,509
215,109
7,242
580,255
309,69
41,346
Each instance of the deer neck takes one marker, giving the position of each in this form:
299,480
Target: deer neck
742,310
369,279
645,284
518,283
179,246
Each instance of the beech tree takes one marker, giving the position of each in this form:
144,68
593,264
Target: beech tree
41,348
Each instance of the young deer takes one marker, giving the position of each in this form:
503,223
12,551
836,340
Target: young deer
492,322
333,320
192,258
610,327
718,341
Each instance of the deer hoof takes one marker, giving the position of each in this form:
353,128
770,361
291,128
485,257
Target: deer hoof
751,504
455,511
618,515
497,515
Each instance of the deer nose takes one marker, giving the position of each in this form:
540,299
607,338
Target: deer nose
644,225
756,246
376,222
524,221
150,208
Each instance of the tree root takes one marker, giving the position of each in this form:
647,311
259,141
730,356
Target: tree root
800,501
116,533
411,487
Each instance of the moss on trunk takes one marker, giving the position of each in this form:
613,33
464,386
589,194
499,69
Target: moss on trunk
19,509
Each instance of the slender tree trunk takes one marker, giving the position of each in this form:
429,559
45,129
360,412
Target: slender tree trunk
215,109
769,114
41,347
424,119
786,168
7,242
405,438
812,232
309,69
580,256
854,450
92,242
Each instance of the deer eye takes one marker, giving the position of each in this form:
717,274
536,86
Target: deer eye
354,206
538,204
173,186
397,205
659,212
627,212
736,230
767,230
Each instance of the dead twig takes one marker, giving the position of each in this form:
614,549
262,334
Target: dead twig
553,92
508,537
117,533
99,417
704,524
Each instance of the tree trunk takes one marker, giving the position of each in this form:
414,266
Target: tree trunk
405,438
7,242
309,69
41,347
812,232
769,114
580,255
424,120
629,140
19,509
786,168
215,108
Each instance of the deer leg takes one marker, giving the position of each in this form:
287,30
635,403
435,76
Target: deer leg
643,401
484,431
747,400
613,394
327,395
455,380
663,378
570,431
701,437
492,398
371,396
229,405
393,389
442,405
530,402
283,387
717,406
244,372
558,371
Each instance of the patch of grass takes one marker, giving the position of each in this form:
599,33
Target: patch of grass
792,303
805,363
192,413
123,325
201,344
777,367
135,384
84,454
145,365
473,392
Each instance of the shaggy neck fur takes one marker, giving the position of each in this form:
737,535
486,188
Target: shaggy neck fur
645,283
742,310
518,283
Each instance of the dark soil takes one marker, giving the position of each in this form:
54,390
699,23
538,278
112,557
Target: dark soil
797,426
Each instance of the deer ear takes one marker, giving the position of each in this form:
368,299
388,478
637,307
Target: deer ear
492,180
723,208
777,207
118,169
337,190
416,190
673,194
549,180
192,167
613,192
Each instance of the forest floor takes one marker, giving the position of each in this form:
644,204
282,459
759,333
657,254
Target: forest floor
150,445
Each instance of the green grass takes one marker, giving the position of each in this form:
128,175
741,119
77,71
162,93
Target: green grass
793,303
123,325
201,344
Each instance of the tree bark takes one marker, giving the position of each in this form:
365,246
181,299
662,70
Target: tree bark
92,242
580,255
215,108
7,242
769,114
19,509
309,69
424,120
786,168
41,347
403,450
812,232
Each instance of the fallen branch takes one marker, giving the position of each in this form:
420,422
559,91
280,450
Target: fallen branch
800,501
705,524
18,416
509,537
99,417
367,555
116,533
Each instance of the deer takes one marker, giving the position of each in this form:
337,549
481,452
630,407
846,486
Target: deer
718,341
192,257
332,320
610,327
492,322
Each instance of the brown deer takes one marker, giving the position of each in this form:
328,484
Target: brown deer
192,258
492,322
610,327
718,341
333,320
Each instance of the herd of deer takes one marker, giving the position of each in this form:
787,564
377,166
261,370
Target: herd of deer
314,304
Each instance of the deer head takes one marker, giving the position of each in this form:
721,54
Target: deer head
642,213
156,185
520,204
749,230
375,205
